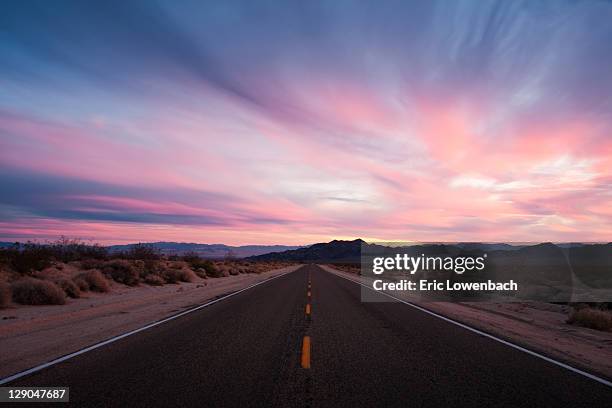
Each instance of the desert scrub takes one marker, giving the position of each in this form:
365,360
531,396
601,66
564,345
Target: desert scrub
88,264
70,288
94,279
592,318
81,283
178,275
216,271
5,294
203,267
123,272
154,280
30,291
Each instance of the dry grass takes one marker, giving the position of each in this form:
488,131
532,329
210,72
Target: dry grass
592,318
5,295
95,281
31,291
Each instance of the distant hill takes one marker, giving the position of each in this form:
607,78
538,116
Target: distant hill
335,251
210,250
204,250
350,251
488,247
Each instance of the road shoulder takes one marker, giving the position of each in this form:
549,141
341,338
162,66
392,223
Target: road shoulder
535,326
33,335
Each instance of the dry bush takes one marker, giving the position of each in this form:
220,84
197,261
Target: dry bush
51,273
177,264
592,318
123,272
30,257
81,283
27,258
95,281
70,288
220,270
30,291
142,252
88,264
5,294
178,275
170,275
210,269
201,272
154,280
187,275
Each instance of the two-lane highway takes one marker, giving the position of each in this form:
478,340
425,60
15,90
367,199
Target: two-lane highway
249,351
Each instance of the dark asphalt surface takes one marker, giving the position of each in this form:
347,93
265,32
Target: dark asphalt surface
245,352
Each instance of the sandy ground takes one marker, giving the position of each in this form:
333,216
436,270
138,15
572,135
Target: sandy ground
31,335
537,326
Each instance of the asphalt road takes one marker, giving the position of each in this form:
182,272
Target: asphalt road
248,351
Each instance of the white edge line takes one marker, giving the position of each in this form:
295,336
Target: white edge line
485,334
58,360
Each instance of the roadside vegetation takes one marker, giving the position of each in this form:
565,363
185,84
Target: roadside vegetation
592,316
49,274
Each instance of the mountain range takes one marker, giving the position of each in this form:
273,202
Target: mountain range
204,250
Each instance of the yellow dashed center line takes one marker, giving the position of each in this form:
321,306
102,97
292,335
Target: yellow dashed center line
308,309
306,352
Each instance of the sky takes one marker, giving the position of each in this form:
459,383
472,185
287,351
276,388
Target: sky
294,122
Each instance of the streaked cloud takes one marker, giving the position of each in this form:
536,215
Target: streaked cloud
294,122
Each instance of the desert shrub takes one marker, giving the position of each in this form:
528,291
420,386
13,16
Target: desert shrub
187,275
151,267
123,272
154,280
81,283
30,291
91,263
69,250
212,271
52,273
592,318
95,281
142,252
196,262
5,295
200,272
177,265
28,257
170,275
178,275
70,288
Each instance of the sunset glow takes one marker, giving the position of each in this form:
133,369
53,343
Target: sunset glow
300,123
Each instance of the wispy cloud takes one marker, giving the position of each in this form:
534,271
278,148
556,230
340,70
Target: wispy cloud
301,121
